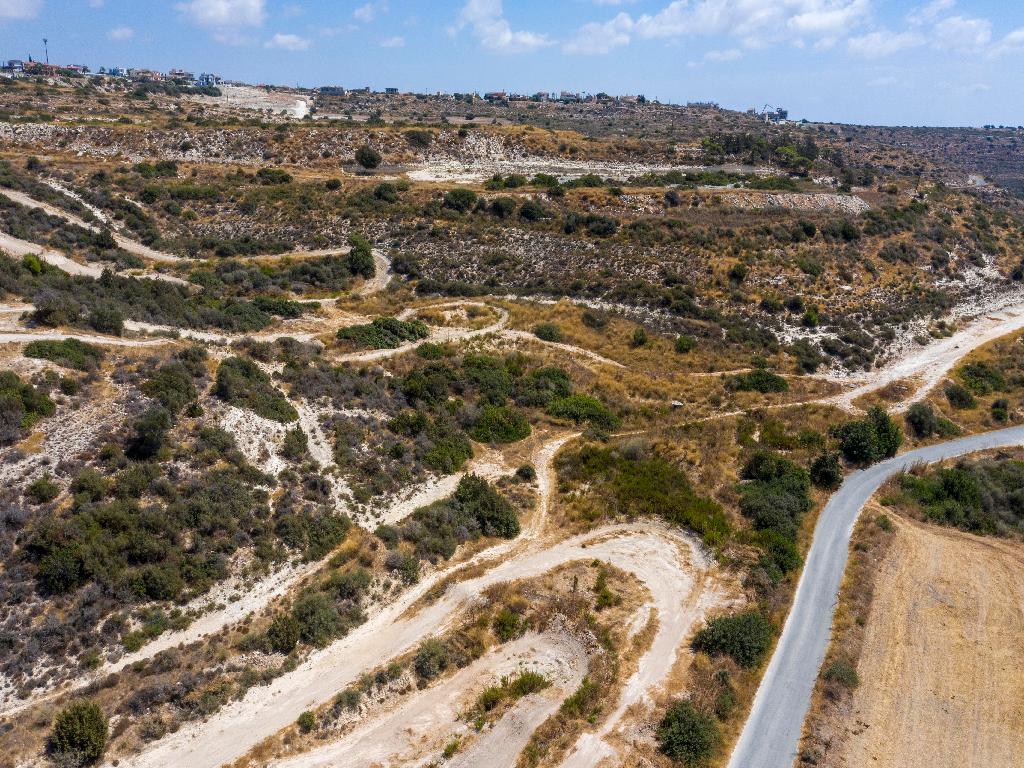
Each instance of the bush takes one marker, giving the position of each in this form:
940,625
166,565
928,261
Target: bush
960,397
368,157
431,659
295,444
461,200
42,489
306,721
826,472
871,439
79,732
687,735
507,624
148,433
317,618
922,420
241,383
283,634
758,380
685,344
579,408
385,333
548,332
171,385
982,378
746,637
21,406
273,176
68,353
842,672
639,337
500,424
360,256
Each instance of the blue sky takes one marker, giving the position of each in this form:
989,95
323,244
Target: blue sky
927,62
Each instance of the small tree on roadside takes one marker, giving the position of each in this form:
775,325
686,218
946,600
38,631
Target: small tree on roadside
687,735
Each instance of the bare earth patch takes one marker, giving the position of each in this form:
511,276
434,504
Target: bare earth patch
941,680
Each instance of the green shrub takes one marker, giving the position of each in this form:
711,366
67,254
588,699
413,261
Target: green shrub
461,200
826,472
922,420
685,344
283,634
360,256
306,721
548,332
241,383
295,444
317,618
758,380
746,637
500,424
69,353
21,406
79,732
273,176
1000,409
639,337
149,433
842,672
431,659
687,735
579,408
981,378
960,397
171,385
385,333
507,625
368,157
871,439
42,489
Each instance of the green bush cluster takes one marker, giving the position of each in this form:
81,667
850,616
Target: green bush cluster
79,734
687,735
68,353
637,485
241,383
581,408
757,380
500,424
985,496
873,438
745,637
384,333
775,498
475,509
21,406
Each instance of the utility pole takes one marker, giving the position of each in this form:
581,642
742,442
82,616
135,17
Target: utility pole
46,48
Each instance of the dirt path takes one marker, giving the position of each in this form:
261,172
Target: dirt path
666,561
425,723
124,243
110,341
928,365
942,667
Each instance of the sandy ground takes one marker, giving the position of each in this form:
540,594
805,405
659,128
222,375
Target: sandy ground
941,668
427,721
666,561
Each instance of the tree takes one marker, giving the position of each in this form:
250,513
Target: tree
360,257
283,634
745,637
431,659
922,420
149,432
79,732
826,472
461,200
687,735
368,157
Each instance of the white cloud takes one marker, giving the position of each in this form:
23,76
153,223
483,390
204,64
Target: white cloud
601,37
928,13
756,22
487,20
287,42
368,12
393,42
224,13
960,34
883,43
19,9
1011,43
730,54
121,33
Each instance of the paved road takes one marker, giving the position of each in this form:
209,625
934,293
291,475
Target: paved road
771,735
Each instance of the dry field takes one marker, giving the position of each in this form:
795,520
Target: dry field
941,666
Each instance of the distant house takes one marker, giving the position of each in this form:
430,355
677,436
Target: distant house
541,96
392,91
117,72
145,74
15,65
496,96
181,76
206,80
568,97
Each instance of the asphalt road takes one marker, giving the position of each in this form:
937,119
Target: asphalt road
771,736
